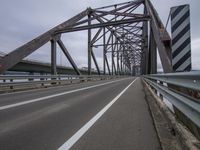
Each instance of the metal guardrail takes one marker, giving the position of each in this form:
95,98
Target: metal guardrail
11,82
188,105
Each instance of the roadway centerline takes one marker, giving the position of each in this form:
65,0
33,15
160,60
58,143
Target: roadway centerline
71,141
55,95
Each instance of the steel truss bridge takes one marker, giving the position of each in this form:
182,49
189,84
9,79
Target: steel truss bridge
96,115
121,30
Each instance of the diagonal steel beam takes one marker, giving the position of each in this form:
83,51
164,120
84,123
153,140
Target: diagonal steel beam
96,35
18,54
90,10
162,38
108,65
65,51
101,21
95,62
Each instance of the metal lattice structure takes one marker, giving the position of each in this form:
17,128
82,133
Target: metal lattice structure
130,32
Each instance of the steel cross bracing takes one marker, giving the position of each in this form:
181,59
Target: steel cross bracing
121,31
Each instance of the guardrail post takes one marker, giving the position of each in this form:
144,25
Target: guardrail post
59,80
41,79
70,79
31,79
11,87
160,95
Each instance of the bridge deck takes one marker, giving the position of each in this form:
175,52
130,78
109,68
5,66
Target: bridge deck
48,118
126,125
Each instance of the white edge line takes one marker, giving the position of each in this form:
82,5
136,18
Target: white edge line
55,95
71,141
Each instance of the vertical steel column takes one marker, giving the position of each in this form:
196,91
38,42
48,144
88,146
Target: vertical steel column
108,66
89,46
104,50
95,62
117,58
153,52
121,64
133,70
134,66
116,72
112,55
145,45
125,70
123,58
53,57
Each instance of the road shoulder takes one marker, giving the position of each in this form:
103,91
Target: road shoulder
126,125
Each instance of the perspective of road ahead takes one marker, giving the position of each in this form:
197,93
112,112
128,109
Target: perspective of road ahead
93,115
101,78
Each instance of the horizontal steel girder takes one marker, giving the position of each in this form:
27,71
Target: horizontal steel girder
105,24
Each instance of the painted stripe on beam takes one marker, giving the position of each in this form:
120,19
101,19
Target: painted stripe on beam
181,27
184,38
185,65
188,68
178,17
181,41
184,32
179,49
176,11
182,60
177,24
180,55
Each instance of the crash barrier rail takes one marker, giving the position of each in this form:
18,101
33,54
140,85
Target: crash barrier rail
12,82
187,104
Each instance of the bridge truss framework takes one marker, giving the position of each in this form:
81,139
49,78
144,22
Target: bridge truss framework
130,32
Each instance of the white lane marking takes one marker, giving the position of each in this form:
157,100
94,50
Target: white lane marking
55,95
71,141
35,90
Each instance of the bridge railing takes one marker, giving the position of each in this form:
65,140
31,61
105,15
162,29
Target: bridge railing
16,82
186,99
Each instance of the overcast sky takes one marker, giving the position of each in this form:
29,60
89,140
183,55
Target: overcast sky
23,20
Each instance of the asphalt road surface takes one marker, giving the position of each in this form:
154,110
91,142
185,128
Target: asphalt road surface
100,115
